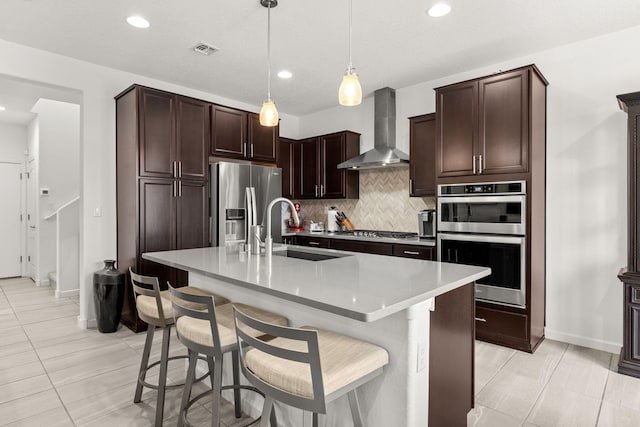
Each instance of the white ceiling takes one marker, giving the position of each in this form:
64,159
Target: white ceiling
395,43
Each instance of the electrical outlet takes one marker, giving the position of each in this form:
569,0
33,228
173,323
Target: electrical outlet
422,357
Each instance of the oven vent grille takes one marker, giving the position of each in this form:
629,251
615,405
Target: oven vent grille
205,48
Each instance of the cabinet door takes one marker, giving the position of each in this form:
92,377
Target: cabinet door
157,215
288,160
193,138
504,117
422,149
414,251
456,129
332,153
157,133
309,168
228,132
262,140
192,215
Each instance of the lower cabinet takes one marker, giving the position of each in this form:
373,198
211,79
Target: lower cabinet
379,248
361,246
630,355
501,327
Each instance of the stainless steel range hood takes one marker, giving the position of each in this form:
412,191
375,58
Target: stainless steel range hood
384,152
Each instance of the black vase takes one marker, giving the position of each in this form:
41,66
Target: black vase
108,295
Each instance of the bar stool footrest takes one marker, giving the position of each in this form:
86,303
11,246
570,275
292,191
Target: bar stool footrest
207,392
172,386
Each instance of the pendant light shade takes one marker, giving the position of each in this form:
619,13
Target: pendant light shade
269,112
350,92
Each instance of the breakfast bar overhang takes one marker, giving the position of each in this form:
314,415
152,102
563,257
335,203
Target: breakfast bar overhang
384,300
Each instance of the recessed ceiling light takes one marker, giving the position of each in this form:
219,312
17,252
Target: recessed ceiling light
284,74
138,21
439,9
2,108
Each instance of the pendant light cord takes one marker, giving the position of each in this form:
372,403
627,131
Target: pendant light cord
269,52
350,70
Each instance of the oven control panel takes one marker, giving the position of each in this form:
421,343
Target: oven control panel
493,188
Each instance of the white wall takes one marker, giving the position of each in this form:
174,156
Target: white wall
13,143
98,86
586,175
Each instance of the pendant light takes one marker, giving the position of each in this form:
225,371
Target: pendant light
350,92
268,112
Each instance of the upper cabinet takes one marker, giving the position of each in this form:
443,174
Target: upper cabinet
320,177
288,154
238,134
174,135
483,126
422,149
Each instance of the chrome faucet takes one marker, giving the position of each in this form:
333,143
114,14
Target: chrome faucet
268,241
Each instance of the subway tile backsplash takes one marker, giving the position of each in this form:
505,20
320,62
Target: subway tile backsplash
384,203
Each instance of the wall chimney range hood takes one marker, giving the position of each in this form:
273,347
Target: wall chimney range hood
384,152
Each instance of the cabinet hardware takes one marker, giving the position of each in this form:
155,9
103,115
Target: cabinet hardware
411,252
474,164
481,319
316,190
175,166
322,190
251,150
244,149
180,169
480,165
175,189
314,243
180,189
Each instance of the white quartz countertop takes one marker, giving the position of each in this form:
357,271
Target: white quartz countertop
360,286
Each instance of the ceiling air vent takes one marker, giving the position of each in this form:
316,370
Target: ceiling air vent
205,49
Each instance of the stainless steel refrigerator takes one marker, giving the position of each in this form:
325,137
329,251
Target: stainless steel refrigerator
230,209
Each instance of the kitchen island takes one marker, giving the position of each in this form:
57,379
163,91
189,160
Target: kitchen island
383,300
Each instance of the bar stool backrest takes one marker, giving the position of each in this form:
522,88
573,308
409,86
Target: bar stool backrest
148,286
311,357
198,307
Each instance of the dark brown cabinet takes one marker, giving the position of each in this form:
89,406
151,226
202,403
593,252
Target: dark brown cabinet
414,251
483,126
362,246
162,142
316,242
238,134
174,135
288,155
629,363
319,173
422,149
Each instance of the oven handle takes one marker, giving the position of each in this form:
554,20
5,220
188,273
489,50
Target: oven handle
481,199
485,238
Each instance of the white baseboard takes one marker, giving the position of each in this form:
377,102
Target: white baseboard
87,323
608,346
69,293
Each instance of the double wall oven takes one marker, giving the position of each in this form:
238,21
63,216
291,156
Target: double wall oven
484,224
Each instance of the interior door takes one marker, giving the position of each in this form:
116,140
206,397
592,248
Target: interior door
32,218
11,248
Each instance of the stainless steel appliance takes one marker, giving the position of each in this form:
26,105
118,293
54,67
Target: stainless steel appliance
427,224
234,209
484,224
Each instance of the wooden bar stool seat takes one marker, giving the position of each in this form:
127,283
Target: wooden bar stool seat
305,367
211,331
154,307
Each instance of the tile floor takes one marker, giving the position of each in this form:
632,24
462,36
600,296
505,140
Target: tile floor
54,374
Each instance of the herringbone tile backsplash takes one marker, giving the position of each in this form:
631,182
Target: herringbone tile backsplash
384,203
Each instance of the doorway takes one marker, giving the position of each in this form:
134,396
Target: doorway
11,247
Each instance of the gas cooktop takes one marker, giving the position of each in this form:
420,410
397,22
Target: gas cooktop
379,233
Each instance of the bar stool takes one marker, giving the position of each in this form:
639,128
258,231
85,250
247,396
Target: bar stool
154,307
211,331
305,367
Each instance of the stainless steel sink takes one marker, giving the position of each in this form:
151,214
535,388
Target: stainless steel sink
309,256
